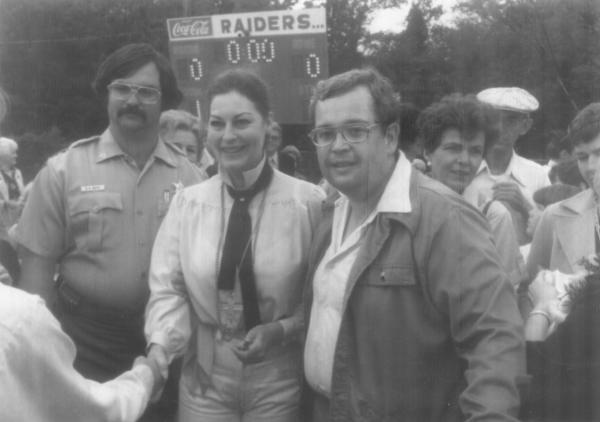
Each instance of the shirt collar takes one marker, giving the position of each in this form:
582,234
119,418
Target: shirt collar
513,169
396,195
109,148
250,176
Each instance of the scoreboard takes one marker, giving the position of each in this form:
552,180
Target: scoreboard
287,48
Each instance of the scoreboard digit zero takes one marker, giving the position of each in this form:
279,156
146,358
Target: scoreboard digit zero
287,48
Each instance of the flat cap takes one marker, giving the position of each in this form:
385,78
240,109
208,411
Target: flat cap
510,99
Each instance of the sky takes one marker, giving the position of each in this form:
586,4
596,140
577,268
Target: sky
394,19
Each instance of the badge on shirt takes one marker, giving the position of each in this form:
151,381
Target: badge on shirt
92,188
167,196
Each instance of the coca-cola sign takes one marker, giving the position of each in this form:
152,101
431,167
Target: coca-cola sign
190,28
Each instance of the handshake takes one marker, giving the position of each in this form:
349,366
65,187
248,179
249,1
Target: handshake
158,363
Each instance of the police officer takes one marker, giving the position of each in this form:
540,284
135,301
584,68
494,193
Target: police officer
95,208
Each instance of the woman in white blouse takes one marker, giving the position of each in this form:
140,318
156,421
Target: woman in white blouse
227,270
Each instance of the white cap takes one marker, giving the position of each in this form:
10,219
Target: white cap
510,99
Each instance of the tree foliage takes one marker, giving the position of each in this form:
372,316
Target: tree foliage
50,49
549,47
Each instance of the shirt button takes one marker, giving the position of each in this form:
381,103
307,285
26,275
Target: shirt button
140,242
139,212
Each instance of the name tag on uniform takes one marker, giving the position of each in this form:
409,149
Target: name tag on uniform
92,188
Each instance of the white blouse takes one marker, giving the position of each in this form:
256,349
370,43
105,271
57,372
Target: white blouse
187,254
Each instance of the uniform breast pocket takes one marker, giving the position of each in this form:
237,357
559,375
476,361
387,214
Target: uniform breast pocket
93,217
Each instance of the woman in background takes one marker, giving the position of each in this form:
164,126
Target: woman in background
456,132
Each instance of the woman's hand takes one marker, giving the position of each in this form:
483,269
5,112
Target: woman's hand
158,356
159,363
258,341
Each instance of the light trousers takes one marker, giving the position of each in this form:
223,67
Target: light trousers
268,391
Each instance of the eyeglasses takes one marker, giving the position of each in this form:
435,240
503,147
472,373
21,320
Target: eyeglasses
353,133
145,94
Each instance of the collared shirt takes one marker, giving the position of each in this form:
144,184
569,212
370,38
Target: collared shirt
529,175
38,381
331,276
187,255
94,211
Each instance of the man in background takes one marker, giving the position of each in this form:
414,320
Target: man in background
505,175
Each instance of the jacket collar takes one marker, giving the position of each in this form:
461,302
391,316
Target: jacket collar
580,203
109,148
409,218
574,229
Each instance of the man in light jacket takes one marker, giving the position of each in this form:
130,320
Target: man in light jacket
410,317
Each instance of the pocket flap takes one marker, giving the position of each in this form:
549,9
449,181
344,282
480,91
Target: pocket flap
391,276
95,202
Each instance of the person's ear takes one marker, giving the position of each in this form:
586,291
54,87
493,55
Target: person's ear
391,135
526,125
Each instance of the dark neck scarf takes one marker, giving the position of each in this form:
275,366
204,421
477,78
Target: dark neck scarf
237,249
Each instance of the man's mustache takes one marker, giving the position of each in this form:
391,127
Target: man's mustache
132,110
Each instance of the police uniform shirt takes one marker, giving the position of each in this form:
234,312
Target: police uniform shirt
97,214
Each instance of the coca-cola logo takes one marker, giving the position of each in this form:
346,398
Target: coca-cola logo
194,28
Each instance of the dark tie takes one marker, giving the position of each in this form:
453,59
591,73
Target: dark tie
237,249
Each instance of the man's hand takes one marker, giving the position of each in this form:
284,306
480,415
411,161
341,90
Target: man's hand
510,193
143,360
258,341
157,380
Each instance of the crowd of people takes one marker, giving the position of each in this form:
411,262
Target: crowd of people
180,268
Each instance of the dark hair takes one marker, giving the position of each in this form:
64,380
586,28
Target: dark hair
567,172
556,142
384,98
287,164
585,126
461,112
128,59
246,83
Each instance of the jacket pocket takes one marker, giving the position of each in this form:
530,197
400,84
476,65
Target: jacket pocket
390,276
90,214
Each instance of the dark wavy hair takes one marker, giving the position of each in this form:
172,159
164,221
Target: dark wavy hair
385,100
456,111
128,59
585,126
246,83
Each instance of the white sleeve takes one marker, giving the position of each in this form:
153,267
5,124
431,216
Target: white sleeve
168,309
39,382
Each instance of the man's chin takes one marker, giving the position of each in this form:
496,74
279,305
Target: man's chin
132,124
